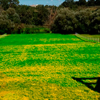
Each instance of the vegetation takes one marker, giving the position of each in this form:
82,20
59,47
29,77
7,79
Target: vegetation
69,17
35,65
9,3
65,22
74,4
83,21
42,66
17,18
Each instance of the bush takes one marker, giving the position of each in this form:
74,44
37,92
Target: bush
47,30
27,30
34,29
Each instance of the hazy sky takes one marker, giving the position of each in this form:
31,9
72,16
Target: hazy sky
43,2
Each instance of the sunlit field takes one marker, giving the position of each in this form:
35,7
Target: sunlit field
48,67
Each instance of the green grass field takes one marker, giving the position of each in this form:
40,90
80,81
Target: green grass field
42,67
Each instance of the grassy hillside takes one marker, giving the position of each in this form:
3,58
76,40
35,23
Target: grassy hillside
42,66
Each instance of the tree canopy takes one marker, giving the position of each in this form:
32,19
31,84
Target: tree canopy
8,3
83,21
69,17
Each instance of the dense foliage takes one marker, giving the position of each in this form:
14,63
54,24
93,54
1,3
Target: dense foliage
7,19
83,21
67,18
75,4
23,18
8,3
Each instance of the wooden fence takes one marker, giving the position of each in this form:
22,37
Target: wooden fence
89,39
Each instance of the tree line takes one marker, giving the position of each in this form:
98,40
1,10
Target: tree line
15,18
75,4
84,21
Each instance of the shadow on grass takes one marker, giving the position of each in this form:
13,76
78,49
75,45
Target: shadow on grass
90,84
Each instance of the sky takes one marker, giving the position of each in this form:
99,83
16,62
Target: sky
43,2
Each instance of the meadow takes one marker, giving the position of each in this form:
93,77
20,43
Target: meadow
48,67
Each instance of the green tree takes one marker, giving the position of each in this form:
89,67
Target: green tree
12,15
42,13
13,2
6,25
98,2
69,3
8,3
8,19
82,2
91,2
4,4
26,14
95,22
84,18
65,22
